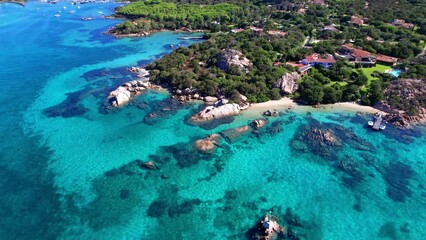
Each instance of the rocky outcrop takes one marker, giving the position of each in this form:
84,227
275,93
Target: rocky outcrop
142,72
287,83
123,94
207,144
259,123
405,100
212,112
231,57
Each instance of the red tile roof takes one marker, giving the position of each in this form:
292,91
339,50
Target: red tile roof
357,20
384,58
319,59
356,52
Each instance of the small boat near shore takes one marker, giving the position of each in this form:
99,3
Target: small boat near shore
87,18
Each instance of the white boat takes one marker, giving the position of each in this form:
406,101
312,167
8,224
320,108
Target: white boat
370,123
382,127
57,15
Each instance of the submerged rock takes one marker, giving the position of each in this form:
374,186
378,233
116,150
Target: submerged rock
207,144
318,139
233,134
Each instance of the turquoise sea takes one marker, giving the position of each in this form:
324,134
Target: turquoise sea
71,171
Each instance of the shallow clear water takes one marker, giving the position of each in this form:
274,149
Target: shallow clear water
70,171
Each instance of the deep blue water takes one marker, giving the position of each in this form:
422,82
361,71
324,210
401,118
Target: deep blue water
69,171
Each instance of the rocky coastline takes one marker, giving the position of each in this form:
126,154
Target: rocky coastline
404,100
116,34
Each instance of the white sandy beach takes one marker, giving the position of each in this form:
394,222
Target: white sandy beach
287,103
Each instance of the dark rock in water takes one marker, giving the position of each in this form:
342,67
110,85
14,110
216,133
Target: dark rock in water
158,110
233,134
397,176
186,155
212,124
276,127
318,139
352,181
291,219
159,159
156,209
183,208
388,230
352,169
405,136
70,107
250,206
357,207
124,193
231,194
405,228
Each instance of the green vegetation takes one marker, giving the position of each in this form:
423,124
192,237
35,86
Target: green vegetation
370,72
196,67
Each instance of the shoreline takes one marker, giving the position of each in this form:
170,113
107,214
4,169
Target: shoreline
286,103
148,33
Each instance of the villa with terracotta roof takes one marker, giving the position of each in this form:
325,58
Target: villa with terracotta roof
363,58
386,59
319,60
301,68
357,56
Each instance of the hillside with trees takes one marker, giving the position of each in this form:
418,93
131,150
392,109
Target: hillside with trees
393,29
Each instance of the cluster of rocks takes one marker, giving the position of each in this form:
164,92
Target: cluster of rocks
212,141
218,111
232,57
188,94
142,72
288,82
209,143
404,100
123,94
319,140
270,113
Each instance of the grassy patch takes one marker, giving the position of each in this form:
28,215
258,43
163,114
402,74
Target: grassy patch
369,71
342,84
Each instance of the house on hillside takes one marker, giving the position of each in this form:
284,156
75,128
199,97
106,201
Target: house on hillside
300,67
319,60
358,21
401,23
330,28
277,33
357,56
237,30
387,60
256,30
